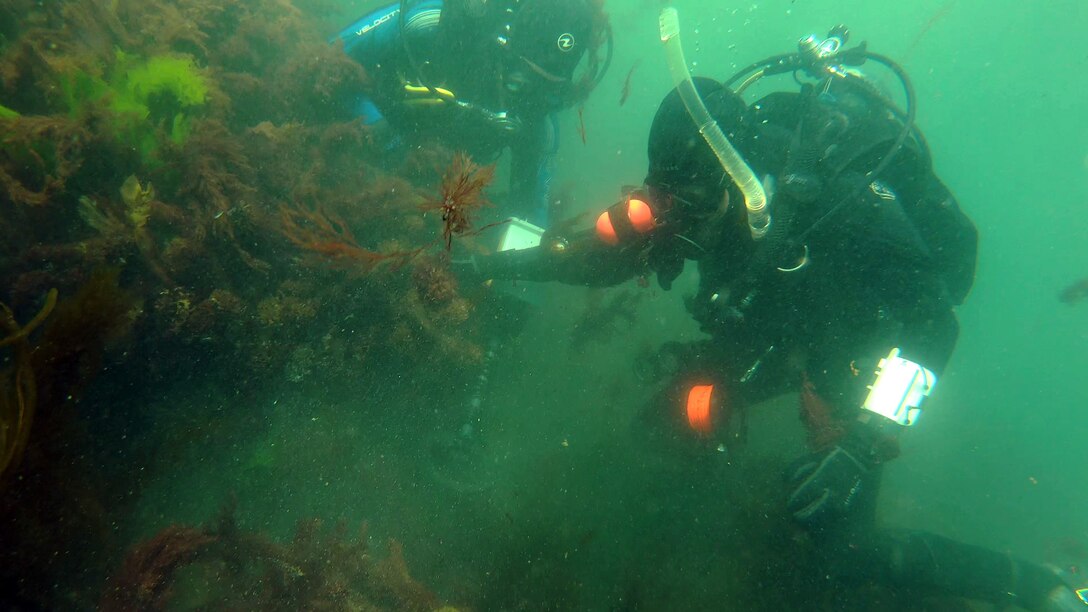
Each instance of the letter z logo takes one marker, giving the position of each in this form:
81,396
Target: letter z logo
565,42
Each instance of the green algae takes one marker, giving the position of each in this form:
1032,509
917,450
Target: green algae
152,100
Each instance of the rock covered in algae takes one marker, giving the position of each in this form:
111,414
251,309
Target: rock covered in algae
137,199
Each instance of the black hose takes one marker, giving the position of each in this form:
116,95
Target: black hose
609,51
897,145
791,62
776,64
585,85
912,107
908,117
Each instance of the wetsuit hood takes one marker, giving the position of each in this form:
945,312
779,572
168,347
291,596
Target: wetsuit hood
553,34
680,160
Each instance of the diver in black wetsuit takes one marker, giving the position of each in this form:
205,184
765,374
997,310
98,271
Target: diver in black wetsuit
481,76
846,295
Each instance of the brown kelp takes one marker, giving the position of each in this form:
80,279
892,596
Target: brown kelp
41,153
461,196
222,566
18,389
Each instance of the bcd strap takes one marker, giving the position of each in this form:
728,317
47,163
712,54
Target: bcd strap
621,222
624,221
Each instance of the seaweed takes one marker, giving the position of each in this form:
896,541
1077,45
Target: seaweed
19,390
72,346
229,568
329,236
143,582
151,100
160,90
211,176
461,196
163,27
38,154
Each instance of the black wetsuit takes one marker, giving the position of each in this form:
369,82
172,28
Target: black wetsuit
885,258
871,280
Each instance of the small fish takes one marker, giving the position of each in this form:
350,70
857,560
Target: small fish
230,211
1075,292
939,15
582,124
626,91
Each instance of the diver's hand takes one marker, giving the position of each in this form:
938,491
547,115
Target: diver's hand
825,487
504,122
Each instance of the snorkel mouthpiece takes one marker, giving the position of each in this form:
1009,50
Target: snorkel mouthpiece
755,198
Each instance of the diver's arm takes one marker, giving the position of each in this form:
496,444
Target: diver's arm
916,284
893,392
879,368
885,332
878,386
583,260
894,368
899,285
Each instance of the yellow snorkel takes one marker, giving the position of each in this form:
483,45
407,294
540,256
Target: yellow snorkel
755,199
